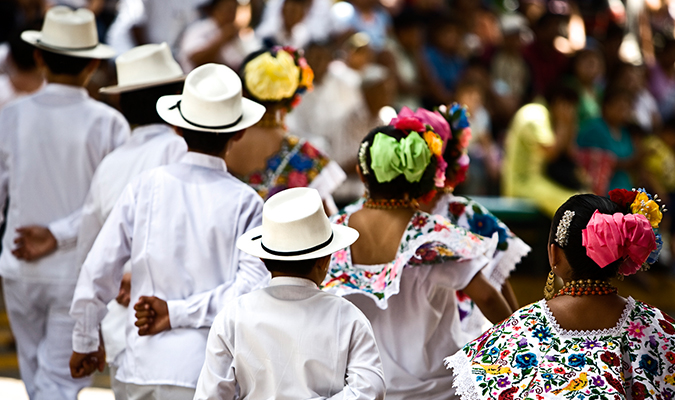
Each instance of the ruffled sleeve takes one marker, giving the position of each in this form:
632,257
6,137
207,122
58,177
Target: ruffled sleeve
428,240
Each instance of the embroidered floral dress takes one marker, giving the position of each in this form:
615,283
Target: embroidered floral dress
529,356
411,301
297,164
467,213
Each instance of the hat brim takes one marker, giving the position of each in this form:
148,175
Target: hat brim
128,88
252,112
100,52
251,243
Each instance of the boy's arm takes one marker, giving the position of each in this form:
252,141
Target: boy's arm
364,379
217,379
199,310
101,274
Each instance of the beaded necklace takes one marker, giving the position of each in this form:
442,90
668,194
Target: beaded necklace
586,287
389,204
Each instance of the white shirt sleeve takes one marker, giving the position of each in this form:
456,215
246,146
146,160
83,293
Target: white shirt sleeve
199,310
4,183
364,378
91,222
217,379
101,274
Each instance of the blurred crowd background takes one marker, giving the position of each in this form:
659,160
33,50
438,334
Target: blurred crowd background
601,73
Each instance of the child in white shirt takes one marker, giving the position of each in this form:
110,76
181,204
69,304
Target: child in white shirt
291,340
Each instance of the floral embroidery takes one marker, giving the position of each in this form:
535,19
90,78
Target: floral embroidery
295,165
427,240
636,358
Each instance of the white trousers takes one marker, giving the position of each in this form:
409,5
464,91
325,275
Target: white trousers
154,392
43,329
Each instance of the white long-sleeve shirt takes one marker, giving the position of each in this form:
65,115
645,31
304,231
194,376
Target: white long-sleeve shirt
149,146
50,145
177,224
291,341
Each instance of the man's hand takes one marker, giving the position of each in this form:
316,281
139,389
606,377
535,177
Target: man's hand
33,242
82,365
124,295
152,315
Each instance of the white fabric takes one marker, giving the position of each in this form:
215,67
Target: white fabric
201,33
42,327
328,180
318,20
177,224
155,392
420,325
291,341
8,92
163,20
298,37
50,145
150,146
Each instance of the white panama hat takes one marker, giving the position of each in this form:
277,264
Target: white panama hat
295,227
211,102
145,66
69,32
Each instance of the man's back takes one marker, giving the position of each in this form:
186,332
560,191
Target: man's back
291,341
51,143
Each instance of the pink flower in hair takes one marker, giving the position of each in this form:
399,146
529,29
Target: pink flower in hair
439,178
436,121
465,138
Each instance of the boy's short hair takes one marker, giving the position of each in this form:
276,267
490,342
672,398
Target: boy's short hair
61,64
139,106
300,267
207,142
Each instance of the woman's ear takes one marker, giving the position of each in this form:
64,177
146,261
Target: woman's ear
358,171
553,255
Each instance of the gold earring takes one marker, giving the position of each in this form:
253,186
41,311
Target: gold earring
549,289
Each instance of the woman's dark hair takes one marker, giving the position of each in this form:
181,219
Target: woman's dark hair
139,106
61,64
207,142
561,91
614,92
301,267
583,205
399,186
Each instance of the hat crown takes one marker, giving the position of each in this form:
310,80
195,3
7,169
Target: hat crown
294,220
212,96
147,64
69,29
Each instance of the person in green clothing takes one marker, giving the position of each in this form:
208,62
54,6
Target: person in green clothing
538,135
606,150
588,69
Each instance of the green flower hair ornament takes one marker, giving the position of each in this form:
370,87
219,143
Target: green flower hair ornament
391,158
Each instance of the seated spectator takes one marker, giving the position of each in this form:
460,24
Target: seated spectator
291,29
588,71
645,109
216,38
538,135
606,150
445,54
546,62
366,16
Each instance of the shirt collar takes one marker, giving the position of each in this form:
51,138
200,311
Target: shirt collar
292,281
204,160
67,90
151,130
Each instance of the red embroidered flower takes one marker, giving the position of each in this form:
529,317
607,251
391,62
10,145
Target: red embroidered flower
622,197
668,318
638,391
667,326
610,358
461,296
309,150
408,124
456,209
559,370
420,221
670,356
615,383
255,179
341,219
297,179
439,227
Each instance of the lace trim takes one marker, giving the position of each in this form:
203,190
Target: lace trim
463,378
616,330
509,259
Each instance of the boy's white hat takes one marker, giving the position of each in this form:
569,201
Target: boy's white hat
145,66
69,32
295,227
211,102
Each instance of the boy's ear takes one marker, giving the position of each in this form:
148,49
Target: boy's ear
238,135
178,130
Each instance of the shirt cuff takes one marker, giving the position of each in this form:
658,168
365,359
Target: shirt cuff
62,233
85,344
178,315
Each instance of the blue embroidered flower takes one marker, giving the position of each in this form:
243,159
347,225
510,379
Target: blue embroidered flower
547,376
494,351
543,333
301,162
649,364
486,225
274,162
527,360
576,360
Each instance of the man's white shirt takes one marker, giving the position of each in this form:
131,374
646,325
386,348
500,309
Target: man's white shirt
291,341
177,224
50,145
